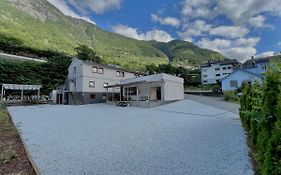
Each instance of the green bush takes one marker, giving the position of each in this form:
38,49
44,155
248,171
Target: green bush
231,96
260,113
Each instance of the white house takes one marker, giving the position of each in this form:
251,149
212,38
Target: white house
215,71
87,82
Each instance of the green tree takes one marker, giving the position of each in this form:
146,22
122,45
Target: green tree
87,54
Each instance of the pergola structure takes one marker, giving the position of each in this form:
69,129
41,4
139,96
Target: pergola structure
20,87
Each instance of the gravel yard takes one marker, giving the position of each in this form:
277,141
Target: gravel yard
186,137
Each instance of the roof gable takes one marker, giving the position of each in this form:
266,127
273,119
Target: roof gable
242,70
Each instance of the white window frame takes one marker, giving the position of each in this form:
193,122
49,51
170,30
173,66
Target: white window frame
100,70
92,84
95,69
118,74
105,84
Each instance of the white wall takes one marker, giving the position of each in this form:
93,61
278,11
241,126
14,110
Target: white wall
85,74
109,76
173,90
211,73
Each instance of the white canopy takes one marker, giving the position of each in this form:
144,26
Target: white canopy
21,87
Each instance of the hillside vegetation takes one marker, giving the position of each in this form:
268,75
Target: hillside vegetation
41,26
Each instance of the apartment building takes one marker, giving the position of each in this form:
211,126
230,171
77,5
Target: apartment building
214,71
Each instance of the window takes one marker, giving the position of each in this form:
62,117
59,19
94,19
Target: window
205,81
123,74
205,76
100,70
224,68
229,67
217,75
93,96
264,66
224,73
233,83
118,73
92,84
217,69
105,85
95,69
131,91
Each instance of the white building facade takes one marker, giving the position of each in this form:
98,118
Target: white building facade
86,82
213,72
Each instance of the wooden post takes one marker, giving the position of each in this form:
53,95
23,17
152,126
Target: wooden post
38,94
120,93
148,91
21,95
127,92
2,93
137,93
113,94
107,94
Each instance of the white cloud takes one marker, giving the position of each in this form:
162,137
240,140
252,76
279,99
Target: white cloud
170,21
66,10
240,49
265,54
197,28
230,31
241,11
157,35
258,21
238,11
197,9
97,6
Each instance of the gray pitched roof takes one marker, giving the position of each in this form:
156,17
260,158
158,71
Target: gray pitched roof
253,62
222,62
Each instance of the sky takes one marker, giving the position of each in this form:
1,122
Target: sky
238,29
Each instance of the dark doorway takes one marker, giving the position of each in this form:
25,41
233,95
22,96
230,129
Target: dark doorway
158,93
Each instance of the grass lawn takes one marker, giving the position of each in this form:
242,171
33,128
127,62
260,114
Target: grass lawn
13,158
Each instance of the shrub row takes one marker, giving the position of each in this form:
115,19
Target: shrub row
261,116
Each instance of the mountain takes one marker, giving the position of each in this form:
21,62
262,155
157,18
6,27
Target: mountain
41,25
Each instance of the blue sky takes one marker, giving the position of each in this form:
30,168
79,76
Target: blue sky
236,28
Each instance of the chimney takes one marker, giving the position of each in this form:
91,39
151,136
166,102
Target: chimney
252,57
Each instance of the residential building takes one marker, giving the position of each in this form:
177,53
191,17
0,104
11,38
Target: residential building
214,71
251,71
87,81
238,78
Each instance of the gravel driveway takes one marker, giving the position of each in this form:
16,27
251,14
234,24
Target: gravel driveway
186,137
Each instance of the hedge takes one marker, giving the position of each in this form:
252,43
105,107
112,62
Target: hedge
260,113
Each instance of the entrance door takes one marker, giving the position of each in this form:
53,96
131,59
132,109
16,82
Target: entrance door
158,93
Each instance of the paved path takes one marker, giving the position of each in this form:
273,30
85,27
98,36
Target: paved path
183,138
217,102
